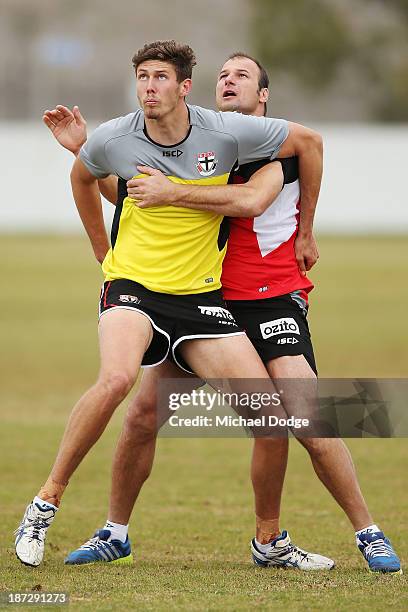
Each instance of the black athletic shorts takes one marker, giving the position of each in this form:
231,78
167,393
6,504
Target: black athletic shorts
276,326
174,318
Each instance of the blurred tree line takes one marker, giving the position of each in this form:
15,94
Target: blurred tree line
318,43
329,60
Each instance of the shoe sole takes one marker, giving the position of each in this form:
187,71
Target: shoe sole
289,568
122,561
266,565
386,573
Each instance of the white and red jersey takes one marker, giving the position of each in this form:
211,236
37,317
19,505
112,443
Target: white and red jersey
260,260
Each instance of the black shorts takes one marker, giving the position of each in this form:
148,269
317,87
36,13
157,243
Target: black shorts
276,326
174,318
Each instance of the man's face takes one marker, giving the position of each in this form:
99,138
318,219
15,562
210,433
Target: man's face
237,86
158,90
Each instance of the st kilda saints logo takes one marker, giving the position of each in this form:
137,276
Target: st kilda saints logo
206,163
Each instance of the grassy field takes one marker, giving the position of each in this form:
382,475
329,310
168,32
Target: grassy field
194,520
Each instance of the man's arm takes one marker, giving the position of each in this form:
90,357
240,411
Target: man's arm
69,129
250,199
87,199
308,146
109,188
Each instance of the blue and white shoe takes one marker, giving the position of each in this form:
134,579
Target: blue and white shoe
282,553
377,550
101,548
31,534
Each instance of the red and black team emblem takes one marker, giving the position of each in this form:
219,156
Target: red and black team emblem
206,163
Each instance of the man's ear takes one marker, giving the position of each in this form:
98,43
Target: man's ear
186,87
264,94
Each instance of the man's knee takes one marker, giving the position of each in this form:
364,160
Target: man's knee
316,447
141,417
117,384
271,445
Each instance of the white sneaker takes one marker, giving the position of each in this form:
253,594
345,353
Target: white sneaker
282,553
31,534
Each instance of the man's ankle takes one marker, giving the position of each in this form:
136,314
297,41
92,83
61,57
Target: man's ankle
52,491
266,529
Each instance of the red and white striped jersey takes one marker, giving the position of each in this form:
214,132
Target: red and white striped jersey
260,260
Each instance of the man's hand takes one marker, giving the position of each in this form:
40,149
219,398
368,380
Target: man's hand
68,127
155,190
306,252
100,254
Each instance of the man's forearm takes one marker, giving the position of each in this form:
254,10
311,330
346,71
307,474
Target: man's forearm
229,200
244,200
310,178
88,202
308,146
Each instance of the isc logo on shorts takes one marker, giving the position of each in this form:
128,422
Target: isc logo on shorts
287,325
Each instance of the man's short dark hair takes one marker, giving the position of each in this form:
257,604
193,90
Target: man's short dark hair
263,79
180,56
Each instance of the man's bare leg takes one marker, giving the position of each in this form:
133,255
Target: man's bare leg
215,359
330,457
134,453
333,465
124,337
218,358
135,450
270,456
268,469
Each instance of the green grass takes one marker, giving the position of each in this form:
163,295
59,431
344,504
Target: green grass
199,493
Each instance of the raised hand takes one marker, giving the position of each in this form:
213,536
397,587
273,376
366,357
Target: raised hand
68,127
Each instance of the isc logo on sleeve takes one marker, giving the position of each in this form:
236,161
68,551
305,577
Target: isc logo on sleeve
287,325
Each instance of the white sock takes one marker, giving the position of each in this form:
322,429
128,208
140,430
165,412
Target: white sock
118,531
369,529
44,504
262,547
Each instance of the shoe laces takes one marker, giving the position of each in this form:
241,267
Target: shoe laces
298,554
34,528
95,543
378,548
